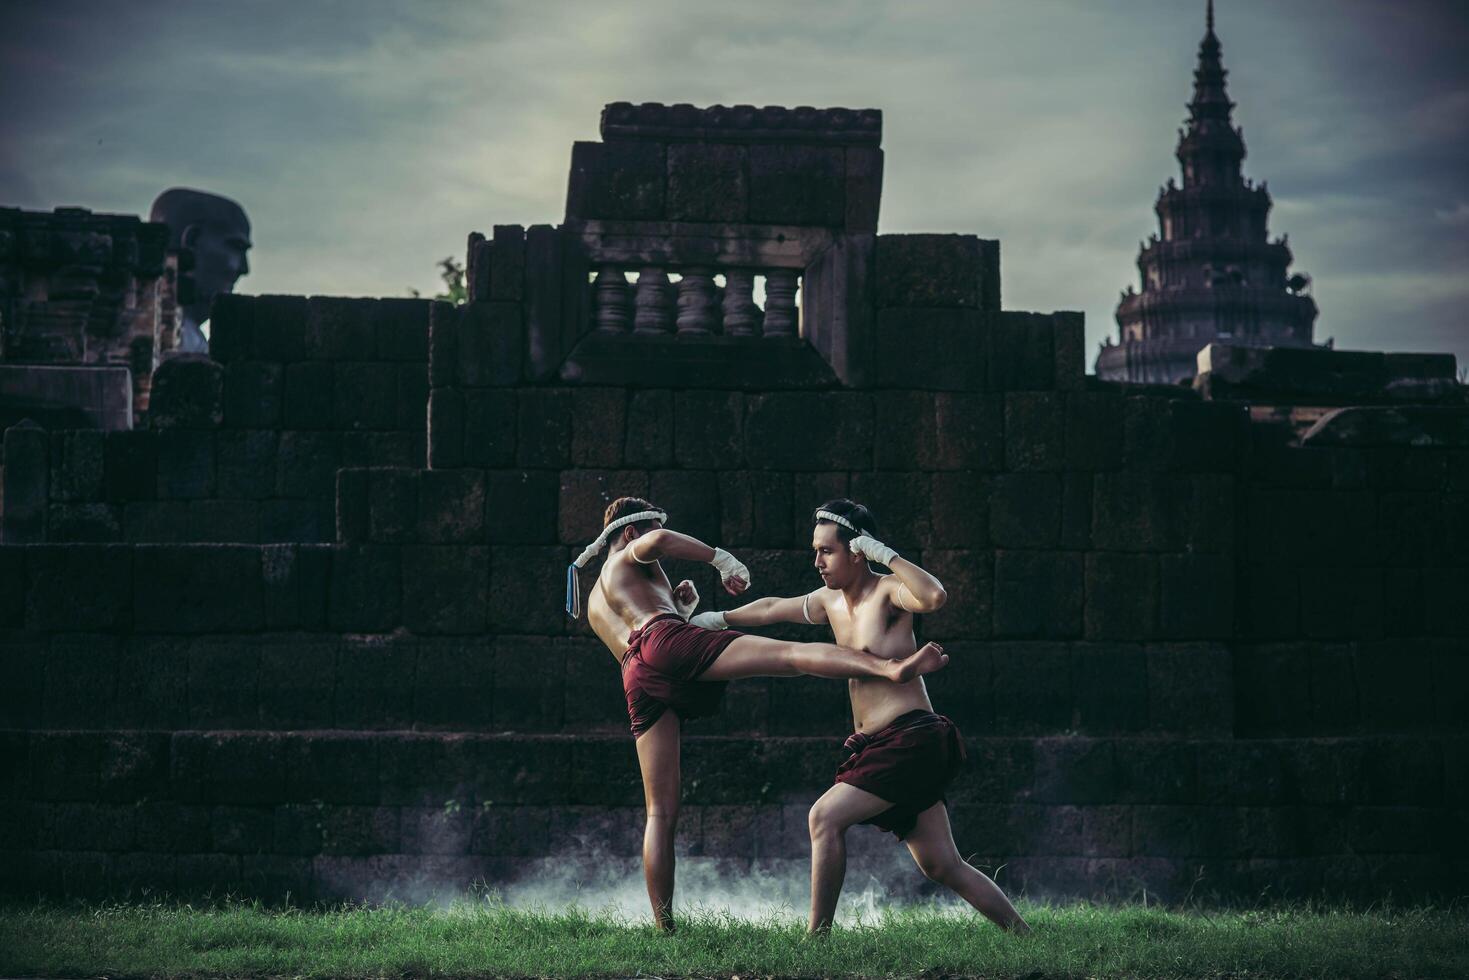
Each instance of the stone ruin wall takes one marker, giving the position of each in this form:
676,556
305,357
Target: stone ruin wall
1182,644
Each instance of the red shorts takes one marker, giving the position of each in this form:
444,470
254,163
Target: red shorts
910,763
661,669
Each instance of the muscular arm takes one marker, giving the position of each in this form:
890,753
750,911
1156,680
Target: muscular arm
763,612
917,590
663,543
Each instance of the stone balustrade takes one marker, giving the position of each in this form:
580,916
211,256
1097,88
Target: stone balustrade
695,301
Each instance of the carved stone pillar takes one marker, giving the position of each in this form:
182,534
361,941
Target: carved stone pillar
741,315
780,303
614,309
696,310
653,304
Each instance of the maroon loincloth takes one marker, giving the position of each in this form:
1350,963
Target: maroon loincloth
910,763
661,669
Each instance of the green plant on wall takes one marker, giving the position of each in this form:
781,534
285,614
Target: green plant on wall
452,273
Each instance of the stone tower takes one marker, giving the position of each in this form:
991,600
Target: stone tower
1213,273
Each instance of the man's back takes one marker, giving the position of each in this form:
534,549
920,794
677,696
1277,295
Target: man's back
627,594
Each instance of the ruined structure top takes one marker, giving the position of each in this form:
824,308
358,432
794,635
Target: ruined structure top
1213,272
741,124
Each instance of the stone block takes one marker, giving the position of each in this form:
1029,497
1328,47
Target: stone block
1032,685
905,436
1022,357
649,429
365,596
451,507
1156,771
365,395
231,328
513,565
444,588
130,466
1093,427
707,182
1334,697
960,503
392,504
163,828
279,327
864,188
968,577
280,576
84,522
900,505
296,521
254,395
79,587
598,426
241,829
374,686
228,767
446,420
153,684
454,687
1272,685
245,464
964,689
156,521
617,180
81,681
1197,597
1034,431
1241,772
412,402
777,433
512,831
443,336
584,496
1075,770
197,588
185,464
23,669
1110,688
761,510
295,685
797,185
546,271
77,465
806,706
969,431
521,506
1121,596
400,329
353,525
930,271
1069,345
1038,594
490,427
188,393
690,498
333,767
1191,688
26,485
340,329
932,350
710,429
1397,676
507,263
1341,603
531,690
1135,511
544,428
1269,600
223,521
436,830
224,683
309,395
406,450
490,345
1025,510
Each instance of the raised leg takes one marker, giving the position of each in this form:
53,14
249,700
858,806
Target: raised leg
839,808
658,757
932,846
761,656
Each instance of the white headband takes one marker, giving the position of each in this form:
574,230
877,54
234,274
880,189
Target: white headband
826,515
573,589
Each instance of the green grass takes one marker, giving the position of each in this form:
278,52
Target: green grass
486,939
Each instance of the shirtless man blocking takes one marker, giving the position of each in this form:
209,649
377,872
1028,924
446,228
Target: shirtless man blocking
673,672
903,755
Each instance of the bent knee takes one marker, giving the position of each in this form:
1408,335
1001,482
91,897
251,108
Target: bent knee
823,822
941,870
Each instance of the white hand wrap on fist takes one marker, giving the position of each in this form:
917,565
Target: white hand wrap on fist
710,621
686,609
874,549
729,567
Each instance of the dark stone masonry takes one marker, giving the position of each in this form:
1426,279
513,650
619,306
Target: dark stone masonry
300,630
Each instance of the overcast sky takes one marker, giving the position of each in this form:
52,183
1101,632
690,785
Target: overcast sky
367,139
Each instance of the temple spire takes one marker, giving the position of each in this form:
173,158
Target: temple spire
1209,16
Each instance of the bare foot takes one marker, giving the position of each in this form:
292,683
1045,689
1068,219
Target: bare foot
927,660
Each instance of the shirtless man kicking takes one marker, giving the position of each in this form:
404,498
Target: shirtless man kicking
903,755
673,672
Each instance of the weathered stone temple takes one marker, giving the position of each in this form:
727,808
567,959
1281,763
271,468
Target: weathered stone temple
1213,273
302,631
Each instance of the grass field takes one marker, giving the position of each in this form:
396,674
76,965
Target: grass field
486,939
